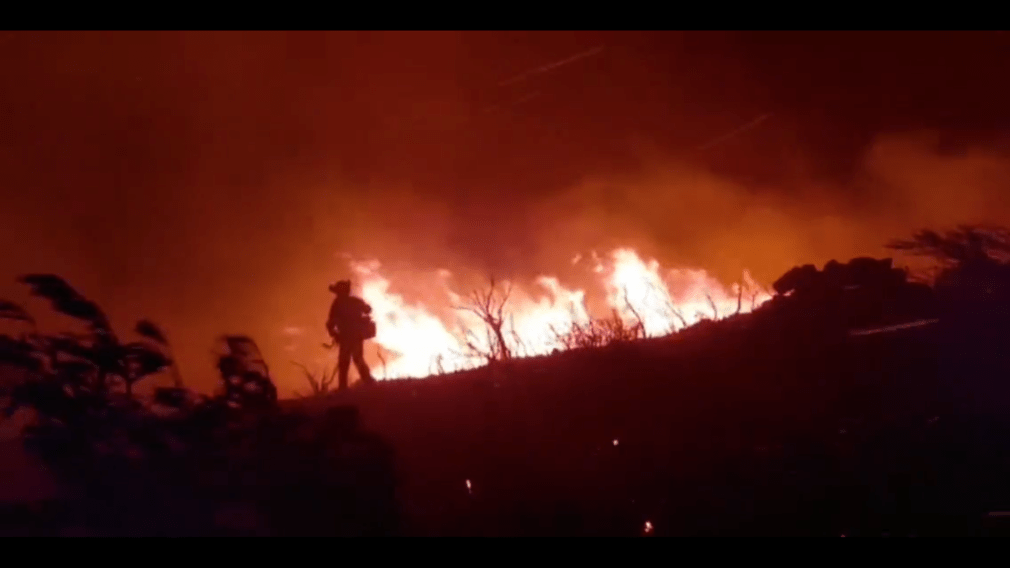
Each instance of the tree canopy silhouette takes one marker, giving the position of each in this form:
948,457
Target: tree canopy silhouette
965,243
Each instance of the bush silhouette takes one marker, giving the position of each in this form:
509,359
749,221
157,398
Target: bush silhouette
91,429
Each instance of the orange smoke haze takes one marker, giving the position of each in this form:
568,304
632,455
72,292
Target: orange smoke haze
216,183
669,230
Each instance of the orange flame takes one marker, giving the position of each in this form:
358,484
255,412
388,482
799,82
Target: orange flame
419,340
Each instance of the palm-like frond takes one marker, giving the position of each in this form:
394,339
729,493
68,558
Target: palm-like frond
148,329
10,310
65,299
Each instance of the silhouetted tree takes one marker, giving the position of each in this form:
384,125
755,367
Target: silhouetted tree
964,244
974,264
489,306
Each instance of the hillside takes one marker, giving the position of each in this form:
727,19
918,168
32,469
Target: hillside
721,432
813,415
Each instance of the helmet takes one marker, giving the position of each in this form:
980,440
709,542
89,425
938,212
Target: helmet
343,287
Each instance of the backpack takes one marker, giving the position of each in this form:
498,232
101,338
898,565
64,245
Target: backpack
367,328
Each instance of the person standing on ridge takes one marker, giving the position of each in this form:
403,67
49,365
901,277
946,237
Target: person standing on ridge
349,324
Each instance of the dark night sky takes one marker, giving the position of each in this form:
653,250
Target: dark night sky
207,179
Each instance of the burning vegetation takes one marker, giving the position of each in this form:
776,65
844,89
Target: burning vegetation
557,421
502,320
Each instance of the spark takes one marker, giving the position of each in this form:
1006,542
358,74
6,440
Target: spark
469,487
735,132
551,66
615,442
648,527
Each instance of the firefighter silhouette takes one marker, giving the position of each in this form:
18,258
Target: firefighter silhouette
350,324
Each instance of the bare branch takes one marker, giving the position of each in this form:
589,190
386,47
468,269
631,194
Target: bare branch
317,388
633,311
327,378
711,302
489,307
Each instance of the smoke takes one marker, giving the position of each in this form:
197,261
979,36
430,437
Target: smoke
217,183
684,214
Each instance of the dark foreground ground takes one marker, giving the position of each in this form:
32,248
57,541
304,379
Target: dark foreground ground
726,429
719,432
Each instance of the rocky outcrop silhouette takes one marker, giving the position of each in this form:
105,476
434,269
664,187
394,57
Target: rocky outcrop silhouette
862,292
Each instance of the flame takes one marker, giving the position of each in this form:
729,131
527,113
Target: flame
419,340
